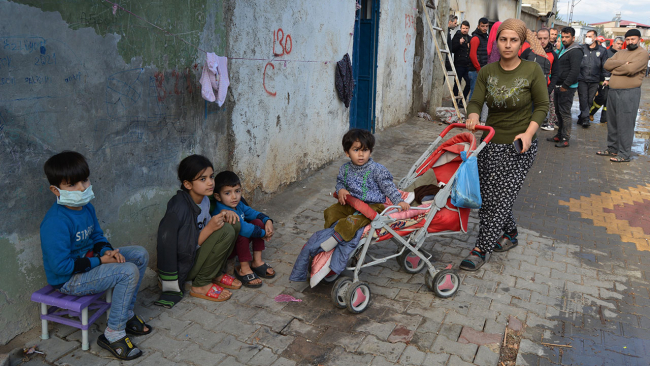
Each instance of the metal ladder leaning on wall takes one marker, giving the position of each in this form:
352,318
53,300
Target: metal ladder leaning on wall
445,50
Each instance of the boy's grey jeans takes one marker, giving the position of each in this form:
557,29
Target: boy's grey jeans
124,278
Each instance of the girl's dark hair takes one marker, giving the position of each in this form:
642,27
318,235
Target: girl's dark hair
364,137
192,166
68,166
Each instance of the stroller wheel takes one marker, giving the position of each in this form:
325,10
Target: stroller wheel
358,297
444,284
339,291
410,262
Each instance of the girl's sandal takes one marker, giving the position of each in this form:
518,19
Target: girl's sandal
247,279
263,271
606,153
227,282
123,349
619,159
213,294
506,243
473,261
136,325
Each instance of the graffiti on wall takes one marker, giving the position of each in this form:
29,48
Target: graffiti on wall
282,46
409,26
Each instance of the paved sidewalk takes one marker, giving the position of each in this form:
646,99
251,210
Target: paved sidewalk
578,279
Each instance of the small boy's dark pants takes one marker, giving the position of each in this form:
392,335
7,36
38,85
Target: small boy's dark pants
348,222
242,249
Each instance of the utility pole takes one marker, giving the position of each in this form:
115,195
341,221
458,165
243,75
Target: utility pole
573,4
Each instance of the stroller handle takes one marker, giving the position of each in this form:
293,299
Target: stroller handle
478,127
359,205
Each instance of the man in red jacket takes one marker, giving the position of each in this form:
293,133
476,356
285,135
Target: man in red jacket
478,51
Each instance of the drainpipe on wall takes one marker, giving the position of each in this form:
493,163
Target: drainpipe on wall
518,15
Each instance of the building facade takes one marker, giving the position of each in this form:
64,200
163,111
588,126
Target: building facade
120,84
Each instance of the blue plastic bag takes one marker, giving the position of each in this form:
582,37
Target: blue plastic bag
466,191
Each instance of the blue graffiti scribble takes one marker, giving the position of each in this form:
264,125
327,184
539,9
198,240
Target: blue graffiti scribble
43,50
123,91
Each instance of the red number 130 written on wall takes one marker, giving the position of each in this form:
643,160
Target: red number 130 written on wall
285,48
285,45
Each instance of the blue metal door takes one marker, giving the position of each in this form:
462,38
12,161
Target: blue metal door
364,66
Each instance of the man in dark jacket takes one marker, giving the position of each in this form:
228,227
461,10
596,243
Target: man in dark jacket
600,100
543,35
451,25
478,51
591,75
460,49
564,79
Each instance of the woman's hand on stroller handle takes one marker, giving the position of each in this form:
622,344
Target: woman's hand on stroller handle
472,121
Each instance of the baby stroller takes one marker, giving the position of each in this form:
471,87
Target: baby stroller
408,229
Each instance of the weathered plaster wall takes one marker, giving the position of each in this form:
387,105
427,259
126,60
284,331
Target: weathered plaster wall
73,75
287,118
494,10
395,60
424,58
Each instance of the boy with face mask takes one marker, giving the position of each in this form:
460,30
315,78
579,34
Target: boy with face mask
78,260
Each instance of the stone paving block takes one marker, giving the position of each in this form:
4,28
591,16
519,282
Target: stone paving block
53,347
542,288
457,361
204,338
485,356
470,335
277,342
275,321
539,309
380,361
470,320
527,359
205,319
349,341
300,328
339,357
231,361
283,362
194,354
443,344
307,353
516,293
379,330
562,275
172,325
492,326
507,310
164,344
243,352
241,331
263,358
153,359
391,351
582,289
412,356
80,357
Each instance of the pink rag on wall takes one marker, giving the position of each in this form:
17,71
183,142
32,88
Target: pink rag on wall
215,66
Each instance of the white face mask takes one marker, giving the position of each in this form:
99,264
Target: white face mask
75,198
589,41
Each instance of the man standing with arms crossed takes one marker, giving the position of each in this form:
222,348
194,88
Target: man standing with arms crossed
591,75
564,80
627,68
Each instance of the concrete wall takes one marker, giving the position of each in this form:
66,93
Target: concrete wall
395,59
73,75
473,10
288,119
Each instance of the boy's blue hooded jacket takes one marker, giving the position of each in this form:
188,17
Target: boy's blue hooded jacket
245,214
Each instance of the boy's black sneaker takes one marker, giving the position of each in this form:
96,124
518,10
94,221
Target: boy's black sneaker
553,139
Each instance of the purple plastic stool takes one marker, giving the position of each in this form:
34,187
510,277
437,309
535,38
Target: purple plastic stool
63,306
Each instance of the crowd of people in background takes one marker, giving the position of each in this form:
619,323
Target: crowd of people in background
604,78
